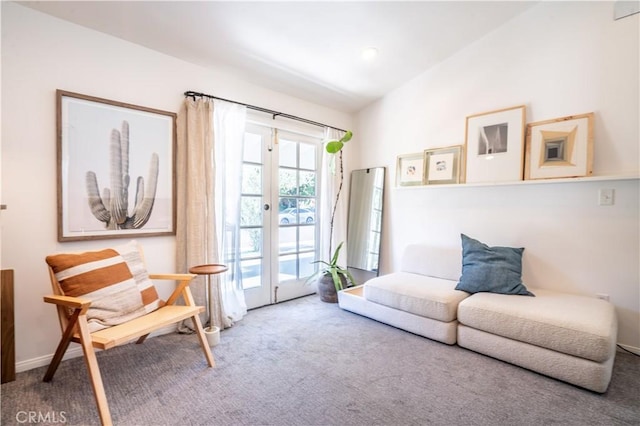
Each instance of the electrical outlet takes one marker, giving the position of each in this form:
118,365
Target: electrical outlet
602,296
605,197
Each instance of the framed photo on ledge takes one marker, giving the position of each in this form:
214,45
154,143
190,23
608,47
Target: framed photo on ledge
410,170
442,165
560,148
494,145
116,169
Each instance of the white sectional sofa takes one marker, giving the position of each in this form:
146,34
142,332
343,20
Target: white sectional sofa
564,336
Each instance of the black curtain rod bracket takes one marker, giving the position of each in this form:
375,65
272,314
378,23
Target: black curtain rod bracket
274,114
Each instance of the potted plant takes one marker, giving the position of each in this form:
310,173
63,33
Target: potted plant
332,278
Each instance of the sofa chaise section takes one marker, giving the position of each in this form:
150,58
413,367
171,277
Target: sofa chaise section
566,336
421,298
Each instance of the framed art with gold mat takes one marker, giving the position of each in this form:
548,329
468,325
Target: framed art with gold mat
560,148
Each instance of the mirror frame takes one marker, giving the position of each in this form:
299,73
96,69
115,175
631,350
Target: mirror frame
357,267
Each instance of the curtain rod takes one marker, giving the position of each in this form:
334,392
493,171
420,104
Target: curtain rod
274,114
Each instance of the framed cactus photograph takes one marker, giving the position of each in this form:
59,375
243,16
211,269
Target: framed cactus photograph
116,169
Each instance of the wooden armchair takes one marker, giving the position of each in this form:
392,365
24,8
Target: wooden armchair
72,274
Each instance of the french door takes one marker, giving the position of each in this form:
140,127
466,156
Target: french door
278,221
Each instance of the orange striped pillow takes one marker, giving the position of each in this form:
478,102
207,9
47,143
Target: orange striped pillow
115,280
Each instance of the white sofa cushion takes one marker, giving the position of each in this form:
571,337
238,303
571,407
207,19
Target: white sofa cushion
582,326
429,297
352,299
578,371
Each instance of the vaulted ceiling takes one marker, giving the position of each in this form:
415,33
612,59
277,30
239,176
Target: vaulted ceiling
310,50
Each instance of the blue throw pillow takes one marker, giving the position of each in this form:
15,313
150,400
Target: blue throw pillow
491,269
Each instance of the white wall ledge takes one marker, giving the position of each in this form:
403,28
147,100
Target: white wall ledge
528,182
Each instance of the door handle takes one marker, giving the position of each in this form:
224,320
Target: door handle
266,207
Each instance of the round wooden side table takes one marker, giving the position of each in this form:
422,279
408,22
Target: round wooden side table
208,270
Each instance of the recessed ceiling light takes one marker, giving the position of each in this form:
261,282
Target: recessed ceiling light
369,53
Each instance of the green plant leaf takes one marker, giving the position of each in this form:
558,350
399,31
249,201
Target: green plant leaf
347,137
334,259
336,280
334,147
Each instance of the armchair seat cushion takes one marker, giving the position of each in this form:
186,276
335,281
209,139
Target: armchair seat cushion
115,280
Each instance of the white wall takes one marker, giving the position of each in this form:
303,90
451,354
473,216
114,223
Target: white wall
39,55
559,59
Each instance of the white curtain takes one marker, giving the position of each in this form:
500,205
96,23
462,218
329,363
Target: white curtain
229,125
207,196
332,175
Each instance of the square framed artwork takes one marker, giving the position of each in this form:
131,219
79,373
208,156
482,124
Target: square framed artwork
410,170
442,165
494,145
116,169
560,147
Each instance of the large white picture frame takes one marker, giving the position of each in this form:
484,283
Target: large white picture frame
494,145
116,169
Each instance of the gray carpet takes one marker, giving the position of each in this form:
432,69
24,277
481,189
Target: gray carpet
305,362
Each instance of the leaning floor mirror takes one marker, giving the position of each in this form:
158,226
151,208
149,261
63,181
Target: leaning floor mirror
364,226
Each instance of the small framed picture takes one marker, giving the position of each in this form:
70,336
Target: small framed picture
410,170
559,148
494,145
442,165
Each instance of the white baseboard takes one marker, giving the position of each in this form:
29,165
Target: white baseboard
73,351
629,348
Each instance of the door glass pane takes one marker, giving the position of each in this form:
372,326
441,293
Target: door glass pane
286,203
251,273
250,211
288,242
287,211
288,182
288,153
250,242
307,238
307,156
252,152
288,267
305,264
307,187
251,179
308,203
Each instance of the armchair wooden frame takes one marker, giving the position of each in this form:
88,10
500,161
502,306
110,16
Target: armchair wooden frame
72,313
